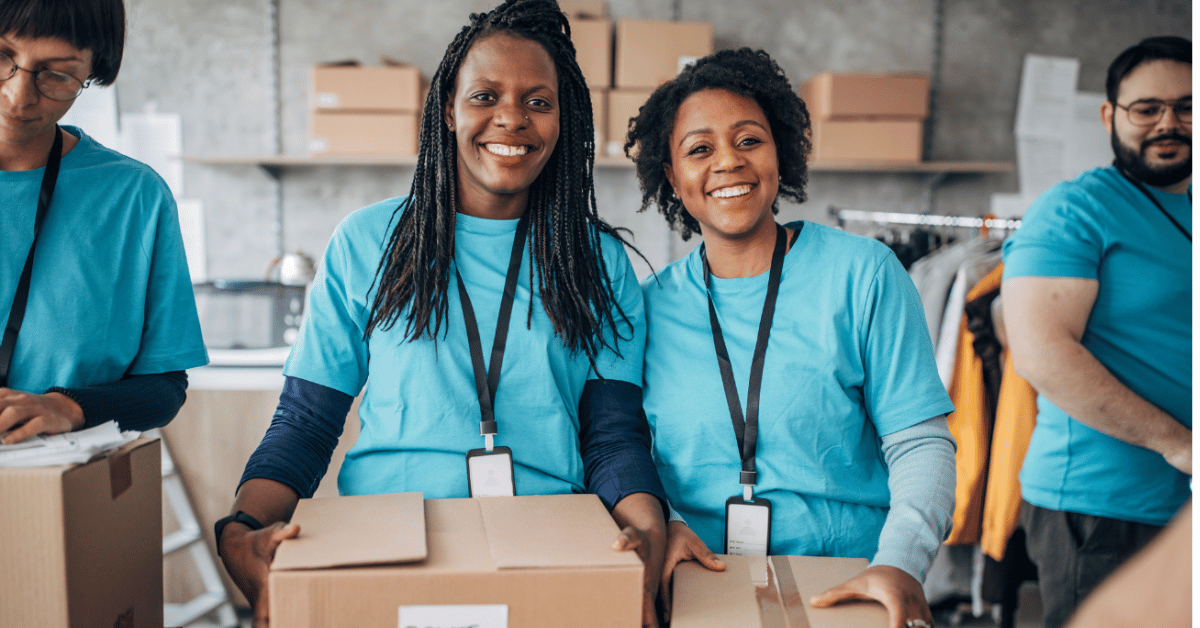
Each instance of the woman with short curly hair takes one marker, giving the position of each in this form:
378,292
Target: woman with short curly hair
842,447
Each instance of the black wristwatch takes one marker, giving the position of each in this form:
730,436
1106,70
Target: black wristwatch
239,517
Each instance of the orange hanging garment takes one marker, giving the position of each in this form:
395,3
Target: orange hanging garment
1016,415
970,424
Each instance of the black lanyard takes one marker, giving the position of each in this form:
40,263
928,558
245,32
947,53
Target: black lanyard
746,429
1138,184
488,379
17,313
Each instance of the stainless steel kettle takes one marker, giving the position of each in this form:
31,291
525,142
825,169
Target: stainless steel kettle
293,269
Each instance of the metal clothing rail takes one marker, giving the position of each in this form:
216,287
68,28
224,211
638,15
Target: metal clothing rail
934,220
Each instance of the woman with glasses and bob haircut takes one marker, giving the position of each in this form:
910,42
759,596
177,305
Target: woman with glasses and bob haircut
842,449
94,287
413,300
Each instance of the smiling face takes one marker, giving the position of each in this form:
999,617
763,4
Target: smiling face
505,116
724,166
1159,154
27,118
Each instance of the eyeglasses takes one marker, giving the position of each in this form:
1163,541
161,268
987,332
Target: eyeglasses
1149,112
50,83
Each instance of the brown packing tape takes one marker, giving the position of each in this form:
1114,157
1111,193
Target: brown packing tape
120,472
789,593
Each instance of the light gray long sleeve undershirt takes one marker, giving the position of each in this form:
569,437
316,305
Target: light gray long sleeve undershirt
921,479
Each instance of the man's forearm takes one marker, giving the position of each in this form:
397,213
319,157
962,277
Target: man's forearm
1067,374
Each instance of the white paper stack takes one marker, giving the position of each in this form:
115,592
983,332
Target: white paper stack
69,448
1058,131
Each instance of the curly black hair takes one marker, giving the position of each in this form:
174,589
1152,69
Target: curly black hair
564,236
749,73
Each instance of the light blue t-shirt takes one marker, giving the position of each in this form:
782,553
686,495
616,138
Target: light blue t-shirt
849,360
1099,226
420,412
110,293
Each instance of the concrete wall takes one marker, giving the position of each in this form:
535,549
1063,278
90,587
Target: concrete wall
210,62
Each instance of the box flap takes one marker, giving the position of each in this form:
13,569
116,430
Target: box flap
355,530
582,534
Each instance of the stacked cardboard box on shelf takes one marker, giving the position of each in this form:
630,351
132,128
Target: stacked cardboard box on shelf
358,110
81,544
867,117
591,33
648,54
543,561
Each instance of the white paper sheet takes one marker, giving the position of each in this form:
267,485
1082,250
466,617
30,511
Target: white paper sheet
155,139
1046,101
1088,144
191,225
69,448
95,111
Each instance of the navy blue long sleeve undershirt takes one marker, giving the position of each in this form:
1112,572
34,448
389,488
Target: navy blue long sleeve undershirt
613,433
135,402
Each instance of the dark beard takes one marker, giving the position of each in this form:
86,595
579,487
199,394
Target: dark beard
1134,165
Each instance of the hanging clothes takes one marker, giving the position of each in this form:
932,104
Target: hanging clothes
934,274
1016,415
971,421
970,272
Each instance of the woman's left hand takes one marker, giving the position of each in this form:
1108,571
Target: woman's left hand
899,592
51,413
644,532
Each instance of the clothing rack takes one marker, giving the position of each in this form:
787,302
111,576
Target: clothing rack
933,220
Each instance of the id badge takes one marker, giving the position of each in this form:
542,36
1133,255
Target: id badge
490,473
747,526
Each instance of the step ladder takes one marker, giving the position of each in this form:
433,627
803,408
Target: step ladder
188,537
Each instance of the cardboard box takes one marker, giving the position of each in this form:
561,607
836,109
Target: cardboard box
394,133
538,561
769,592
841,96
600,118
81,545
623,104
593,41
584,9
342,87
650,53
871,140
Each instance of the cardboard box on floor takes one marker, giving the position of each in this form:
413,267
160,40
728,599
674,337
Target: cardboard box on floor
348,86
352,133
81,545
831,96
650,53
895,141
769,592
539,561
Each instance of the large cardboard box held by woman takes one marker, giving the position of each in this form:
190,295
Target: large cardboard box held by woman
529,561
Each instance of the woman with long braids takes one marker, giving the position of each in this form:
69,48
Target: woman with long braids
414,297
842,448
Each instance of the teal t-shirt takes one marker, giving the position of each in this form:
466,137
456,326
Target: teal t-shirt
849,360
1099,226
420,412
110,293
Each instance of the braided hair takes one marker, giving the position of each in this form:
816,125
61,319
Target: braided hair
565,228
749,73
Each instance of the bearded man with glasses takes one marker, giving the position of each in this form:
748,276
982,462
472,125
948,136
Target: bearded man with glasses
1098,308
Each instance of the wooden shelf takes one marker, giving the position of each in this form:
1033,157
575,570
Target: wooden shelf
304,161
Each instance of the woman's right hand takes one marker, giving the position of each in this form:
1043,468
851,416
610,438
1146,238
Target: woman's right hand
247,555
683,544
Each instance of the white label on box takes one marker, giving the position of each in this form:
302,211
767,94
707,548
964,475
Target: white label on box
318,145
684,62
454,616
327,99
